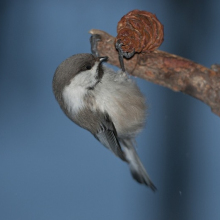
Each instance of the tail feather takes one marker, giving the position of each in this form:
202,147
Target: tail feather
139,173
136,167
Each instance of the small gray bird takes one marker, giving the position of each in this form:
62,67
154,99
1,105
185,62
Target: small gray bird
106,103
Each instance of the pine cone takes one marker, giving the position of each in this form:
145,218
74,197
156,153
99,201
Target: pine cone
139,31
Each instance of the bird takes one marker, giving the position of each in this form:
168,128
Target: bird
105,102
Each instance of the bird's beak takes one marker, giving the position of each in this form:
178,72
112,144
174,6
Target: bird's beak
100,69
103,59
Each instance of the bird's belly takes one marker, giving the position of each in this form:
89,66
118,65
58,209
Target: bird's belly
128,116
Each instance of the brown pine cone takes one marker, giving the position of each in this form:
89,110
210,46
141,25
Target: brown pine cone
139,31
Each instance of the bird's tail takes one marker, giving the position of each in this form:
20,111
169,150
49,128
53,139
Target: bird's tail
136,167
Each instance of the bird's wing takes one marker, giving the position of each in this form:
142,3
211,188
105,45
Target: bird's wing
107,135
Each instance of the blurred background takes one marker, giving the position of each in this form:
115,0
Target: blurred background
52,169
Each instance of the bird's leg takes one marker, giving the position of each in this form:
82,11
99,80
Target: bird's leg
122,54
93,41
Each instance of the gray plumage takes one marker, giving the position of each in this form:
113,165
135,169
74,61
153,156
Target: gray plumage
108,104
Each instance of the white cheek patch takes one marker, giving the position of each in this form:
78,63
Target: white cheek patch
73,97
73,94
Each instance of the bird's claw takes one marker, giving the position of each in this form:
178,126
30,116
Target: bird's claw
122,54
94,39
128,55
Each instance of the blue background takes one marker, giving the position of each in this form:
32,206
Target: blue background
52,169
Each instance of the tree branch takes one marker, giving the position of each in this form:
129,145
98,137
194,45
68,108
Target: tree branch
171,71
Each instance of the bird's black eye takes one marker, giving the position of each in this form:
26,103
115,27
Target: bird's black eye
88,67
